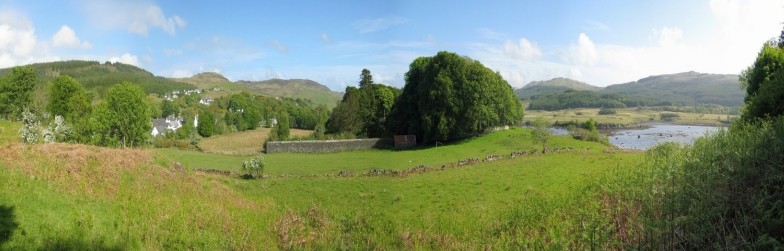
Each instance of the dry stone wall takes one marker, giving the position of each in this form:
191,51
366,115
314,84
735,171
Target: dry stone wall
325,146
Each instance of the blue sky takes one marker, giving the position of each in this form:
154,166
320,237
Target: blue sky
598,42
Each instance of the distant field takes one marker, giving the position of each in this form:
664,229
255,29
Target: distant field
242,143
625,116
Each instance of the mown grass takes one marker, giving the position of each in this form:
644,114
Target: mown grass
242,143
626,116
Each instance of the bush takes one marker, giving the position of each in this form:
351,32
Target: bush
587,135
607,111
669,116
253,167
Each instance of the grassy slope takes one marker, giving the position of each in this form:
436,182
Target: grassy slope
627,116
73,196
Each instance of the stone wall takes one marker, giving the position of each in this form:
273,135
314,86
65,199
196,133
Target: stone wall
324,146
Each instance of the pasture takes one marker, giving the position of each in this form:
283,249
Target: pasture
64,196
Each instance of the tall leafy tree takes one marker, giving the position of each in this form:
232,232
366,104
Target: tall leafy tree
764,82
126,116
365,78
169,108
206,125
363,111
68,98
16,90
448,96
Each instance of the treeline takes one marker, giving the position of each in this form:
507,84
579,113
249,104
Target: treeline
446,97
123,117
98,78
571,99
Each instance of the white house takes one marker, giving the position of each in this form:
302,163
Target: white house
161,126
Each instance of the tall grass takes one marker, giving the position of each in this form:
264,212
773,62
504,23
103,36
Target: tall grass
724,193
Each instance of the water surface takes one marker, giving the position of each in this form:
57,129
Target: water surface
642,139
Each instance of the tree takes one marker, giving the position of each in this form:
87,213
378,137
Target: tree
16,89
449,97
364,110
541,132
206,125
365,78
126,116
764,82
68,98
346,117
282,129
169,108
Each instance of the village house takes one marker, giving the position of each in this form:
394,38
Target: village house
163,125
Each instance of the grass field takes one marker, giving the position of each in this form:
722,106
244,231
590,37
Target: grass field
62,196
500,143
242,143
626,116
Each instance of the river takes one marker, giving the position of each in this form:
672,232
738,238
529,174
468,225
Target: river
642,139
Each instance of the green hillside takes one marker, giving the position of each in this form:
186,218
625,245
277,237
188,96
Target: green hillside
688,88
295,88
682,89
100,77
552,86
215,84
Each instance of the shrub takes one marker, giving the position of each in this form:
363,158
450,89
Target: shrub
607,111
253,167
669,116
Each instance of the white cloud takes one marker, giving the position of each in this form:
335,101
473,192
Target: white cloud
373,25
522,50
135,16
584,52
18,43
667,36
126,59
66,38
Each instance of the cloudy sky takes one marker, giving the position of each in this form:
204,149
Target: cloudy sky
598,42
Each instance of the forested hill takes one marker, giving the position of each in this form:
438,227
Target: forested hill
100,77
295,88
685,88
553,86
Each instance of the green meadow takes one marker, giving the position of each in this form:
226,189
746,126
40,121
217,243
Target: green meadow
63,196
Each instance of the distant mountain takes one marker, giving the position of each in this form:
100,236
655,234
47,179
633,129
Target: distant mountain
99,77
295,88
686,88
553,86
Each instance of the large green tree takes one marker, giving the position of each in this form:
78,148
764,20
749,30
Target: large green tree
206,125
16,89
124,116
68,98
363,111
764,82
448,96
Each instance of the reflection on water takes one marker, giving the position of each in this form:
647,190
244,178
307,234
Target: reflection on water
658,133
